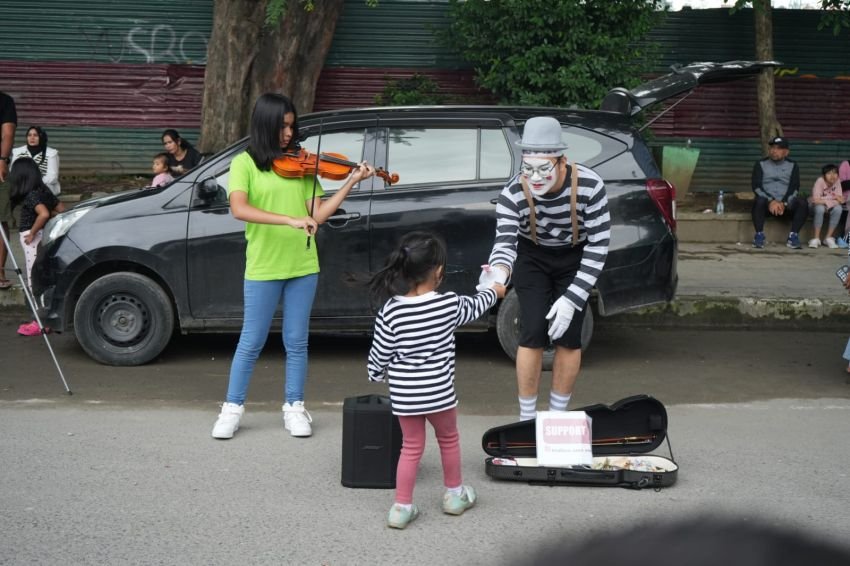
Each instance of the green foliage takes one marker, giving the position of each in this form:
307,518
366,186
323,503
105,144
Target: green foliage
412,91
539,52
836,16
276,9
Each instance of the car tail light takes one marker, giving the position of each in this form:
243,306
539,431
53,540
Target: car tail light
663,195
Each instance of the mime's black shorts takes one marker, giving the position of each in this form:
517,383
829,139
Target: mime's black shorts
540,276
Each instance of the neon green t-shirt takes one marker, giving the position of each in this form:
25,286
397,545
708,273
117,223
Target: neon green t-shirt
274,252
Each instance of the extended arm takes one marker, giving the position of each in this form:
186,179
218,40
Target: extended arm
42,216
597,225
757,177
324,209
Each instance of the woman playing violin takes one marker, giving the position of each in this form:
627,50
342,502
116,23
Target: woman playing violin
281,214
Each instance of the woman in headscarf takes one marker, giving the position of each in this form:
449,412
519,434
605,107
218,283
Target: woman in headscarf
47,158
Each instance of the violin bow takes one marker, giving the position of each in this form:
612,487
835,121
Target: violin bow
316,175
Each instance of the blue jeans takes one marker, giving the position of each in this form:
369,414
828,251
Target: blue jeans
261,300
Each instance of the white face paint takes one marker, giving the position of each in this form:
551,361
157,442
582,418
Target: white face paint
540,173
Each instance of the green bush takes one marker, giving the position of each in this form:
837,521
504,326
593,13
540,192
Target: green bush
413,91
564,53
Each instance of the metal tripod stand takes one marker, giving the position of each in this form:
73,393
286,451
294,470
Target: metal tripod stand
31,303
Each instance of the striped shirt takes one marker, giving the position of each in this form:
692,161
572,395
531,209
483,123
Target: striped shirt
414,347
554,228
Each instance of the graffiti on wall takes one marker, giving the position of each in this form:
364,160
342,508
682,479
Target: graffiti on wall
154,43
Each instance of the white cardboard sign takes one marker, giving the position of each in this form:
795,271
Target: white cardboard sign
564,438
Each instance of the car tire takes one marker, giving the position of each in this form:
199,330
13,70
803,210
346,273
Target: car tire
123,319
507,329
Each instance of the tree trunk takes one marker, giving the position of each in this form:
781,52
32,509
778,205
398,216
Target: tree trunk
769,126
247,58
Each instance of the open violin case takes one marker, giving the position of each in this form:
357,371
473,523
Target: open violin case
624,435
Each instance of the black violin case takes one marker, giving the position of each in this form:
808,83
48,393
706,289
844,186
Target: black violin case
624,435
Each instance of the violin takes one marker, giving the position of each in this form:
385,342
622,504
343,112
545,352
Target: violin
326,165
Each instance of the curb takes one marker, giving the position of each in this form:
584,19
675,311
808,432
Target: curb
688,311
691,311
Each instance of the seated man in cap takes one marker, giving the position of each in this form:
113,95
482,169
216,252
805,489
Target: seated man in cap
776,183
552,234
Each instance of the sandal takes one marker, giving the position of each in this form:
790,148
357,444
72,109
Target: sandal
6,284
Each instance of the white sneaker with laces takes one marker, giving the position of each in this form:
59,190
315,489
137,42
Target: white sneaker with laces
228,420
814,243
296,419
830,243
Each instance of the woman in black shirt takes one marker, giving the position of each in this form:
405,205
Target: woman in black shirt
181,155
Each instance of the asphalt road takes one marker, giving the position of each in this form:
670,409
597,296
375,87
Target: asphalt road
124,471
677,366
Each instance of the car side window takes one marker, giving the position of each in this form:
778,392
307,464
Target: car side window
446,155
349,144
495,155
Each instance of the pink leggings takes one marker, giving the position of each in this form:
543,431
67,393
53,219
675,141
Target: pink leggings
413,445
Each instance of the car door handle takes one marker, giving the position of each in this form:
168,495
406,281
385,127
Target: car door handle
342,219
494,200
347,216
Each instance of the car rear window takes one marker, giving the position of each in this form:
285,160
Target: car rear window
589,147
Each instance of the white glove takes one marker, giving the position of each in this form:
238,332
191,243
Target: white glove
489,276
559,317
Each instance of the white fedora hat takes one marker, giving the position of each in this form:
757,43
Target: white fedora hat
543,134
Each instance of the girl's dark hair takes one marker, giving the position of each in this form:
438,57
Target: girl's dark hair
266,123
24,177
42,140
828,167
176,137
409,264
162,157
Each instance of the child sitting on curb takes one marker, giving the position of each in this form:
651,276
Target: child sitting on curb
826,197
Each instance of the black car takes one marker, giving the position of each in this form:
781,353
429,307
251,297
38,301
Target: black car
126,270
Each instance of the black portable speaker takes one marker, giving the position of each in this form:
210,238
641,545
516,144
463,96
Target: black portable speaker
371,442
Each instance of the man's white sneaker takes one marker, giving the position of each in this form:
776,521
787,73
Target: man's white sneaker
228,420
296,419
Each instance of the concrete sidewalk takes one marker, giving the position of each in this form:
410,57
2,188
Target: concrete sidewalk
720,284
734,285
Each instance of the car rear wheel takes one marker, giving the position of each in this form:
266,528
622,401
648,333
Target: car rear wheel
507,329
123,319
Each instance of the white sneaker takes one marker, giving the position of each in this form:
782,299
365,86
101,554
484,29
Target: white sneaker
814,243
830,243
228,420
296,419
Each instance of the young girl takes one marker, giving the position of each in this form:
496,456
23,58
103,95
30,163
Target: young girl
826,198
280,214
413,348
162,175
38,204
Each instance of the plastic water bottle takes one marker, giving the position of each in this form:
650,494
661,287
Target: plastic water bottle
719,208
